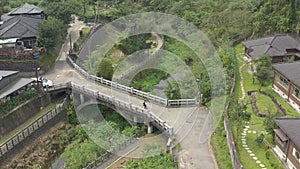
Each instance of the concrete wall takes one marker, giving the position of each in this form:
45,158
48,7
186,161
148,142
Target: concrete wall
22,113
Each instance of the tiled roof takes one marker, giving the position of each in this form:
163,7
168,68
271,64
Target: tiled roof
290,127
26,9
21,26
291,71
276,45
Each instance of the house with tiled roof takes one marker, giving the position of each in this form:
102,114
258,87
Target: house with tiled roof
19,27
287,82
287,139
12,84
279,47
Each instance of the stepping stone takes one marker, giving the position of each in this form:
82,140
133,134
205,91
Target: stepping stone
258,162
254,132
261,165
247,148
245,145
249,131
252,155
249,151
255,158
244,142
243,139
247,127
244,134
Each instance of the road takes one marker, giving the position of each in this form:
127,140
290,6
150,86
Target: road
187,122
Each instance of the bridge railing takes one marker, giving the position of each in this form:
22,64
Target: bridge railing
23,134
130,90
123,105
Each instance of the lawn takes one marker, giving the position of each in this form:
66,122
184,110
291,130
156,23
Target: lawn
265,105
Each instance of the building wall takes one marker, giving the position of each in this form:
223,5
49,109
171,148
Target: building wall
291,157
287,91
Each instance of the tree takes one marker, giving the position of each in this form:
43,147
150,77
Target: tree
105,69
263,69
269,122
259,139
50,32
173,91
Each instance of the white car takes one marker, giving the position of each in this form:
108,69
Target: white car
45,82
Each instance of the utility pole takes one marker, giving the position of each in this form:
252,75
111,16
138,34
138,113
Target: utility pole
200,89
70,51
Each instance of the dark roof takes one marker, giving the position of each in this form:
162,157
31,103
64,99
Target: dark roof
276,45
291,71
16,85
290,127
28,9
5,73
22,26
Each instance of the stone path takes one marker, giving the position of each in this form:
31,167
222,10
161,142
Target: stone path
246,130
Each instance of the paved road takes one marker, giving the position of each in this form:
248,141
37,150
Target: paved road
187,122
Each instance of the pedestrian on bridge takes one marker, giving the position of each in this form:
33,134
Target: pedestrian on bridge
144,104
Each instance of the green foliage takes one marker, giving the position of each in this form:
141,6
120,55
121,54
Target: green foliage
153,150
71,114
260,139
134,43
79,154
172,91
159,162
7,106
105,69
145,80
263,68
269,122
50,32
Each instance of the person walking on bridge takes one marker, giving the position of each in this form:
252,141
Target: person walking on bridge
145,105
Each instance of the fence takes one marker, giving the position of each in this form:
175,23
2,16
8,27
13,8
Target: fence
230,141
123,105
130,90
101,159
20,136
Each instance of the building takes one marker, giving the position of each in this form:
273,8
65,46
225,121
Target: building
287,82
287,139
12,84
19,28
280,47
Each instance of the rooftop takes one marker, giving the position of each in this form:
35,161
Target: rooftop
291,71
276,45
21,26
290,127
28,9
5,73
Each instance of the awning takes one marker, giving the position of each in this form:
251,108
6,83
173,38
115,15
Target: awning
14,86
8,41
280,134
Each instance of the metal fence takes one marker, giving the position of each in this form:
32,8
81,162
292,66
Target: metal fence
104,157
130,90
20,136
230,141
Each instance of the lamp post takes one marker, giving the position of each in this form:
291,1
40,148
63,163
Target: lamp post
200,89
37,77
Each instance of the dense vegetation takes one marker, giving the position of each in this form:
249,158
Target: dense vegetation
7,106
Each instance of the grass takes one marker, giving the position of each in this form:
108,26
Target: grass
265,104
220,148
27,123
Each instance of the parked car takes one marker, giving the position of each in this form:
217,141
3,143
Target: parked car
45,82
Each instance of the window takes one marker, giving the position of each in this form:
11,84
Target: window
296,154
296,93
283,82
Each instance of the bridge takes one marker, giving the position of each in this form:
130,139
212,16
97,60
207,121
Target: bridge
182,120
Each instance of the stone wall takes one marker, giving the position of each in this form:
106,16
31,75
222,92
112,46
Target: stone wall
22,113
26,69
